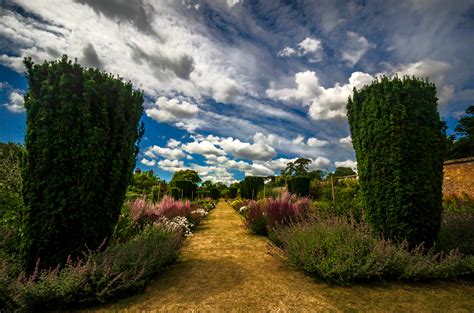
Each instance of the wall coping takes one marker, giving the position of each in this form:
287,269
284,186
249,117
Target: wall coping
463,160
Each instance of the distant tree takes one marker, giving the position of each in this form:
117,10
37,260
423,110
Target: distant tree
297,168
186,175
462,147
144,182
344,171
81,140
398,137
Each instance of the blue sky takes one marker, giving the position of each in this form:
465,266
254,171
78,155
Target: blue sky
238,88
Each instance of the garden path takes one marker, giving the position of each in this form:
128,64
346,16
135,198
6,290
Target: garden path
225,268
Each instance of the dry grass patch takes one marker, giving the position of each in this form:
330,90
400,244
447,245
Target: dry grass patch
225,268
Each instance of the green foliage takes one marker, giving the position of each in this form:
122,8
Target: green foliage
186,189
464,146
11,202
340,251
315,188
297,168
457,228
190,175
81,141
250,187
344,171
215,193
121,270
233,190
398,138
143,182
299,185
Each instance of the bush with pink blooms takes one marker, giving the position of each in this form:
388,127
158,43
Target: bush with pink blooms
143,212
262,216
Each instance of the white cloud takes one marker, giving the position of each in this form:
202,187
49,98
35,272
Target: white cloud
346,141
311,47
259,170
355,47
203,147
271,139
16,103
286,52
239,149
171,110
324,103
148,162
171,165
307,87
347,163
315,142
173,143
298,140
167,153
319,163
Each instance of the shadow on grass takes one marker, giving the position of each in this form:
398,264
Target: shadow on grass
201,278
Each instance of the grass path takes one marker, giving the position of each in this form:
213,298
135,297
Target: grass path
224,268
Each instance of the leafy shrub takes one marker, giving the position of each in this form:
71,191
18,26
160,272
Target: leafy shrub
457,232
81,141
457,226
342,251
398,137
251,186
215,194
233,192
120,270
299,185
187,189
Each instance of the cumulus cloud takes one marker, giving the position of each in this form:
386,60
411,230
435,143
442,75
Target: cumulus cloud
298,140
148,162
16,103
203,147
239,149
315,142
355,47
324,103
346,141
319,163
311,47
171,165
167,153
173,143
287,52
347,163
171,110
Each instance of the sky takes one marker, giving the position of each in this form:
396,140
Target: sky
235,88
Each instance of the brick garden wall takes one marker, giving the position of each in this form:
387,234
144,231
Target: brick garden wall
459,177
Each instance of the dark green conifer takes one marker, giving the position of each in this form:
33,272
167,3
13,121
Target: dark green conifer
82,140
398,138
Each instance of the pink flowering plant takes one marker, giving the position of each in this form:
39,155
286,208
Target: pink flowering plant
262,216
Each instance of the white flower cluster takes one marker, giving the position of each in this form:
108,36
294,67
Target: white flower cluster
201,212
243,209
177,223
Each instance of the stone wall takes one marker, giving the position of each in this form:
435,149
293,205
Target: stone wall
459,177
